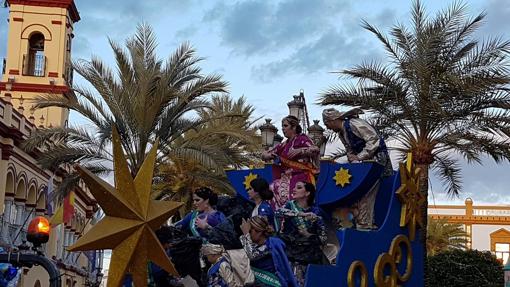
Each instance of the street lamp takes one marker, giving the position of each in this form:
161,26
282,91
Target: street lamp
316,133
268,132
297,106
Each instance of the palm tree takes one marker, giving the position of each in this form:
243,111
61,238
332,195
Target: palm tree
201,156
442,236
145,98
442,93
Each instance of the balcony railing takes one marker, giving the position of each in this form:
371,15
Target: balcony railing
34,65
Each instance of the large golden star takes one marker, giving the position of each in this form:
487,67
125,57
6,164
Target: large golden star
342,177
411,198
130,219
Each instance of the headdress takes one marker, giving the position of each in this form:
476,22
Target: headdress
333,114
212,249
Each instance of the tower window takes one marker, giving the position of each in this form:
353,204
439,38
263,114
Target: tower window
34,63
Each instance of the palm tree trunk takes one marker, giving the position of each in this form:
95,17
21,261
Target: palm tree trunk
424,189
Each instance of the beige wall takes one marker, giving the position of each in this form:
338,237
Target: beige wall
481,235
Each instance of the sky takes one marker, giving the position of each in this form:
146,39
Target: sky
270,50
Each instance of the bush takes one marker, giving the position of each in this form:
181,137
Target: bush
465,268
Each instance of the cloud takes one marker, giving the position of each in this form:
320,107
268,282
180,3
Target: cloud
496,22
257,27
117,19
487,183
329,53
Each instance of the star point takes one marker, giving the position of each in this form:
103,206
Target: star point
248,179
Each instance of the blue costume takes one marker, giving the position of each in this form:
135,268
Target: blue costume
188,222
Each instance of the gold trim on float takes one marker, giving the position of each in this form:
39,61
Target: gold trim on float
351,275
394,258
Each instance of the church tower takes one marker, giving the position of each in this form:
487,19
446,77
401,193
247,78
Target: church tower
38,60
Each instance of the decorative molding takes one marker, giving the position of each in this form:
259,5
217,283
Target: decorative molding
477,219
17,19
68,4
36,88
13,72
53,74
36,27
56,22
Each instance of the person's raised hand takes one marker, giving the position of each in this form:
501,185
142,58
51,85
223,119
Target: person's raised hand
245,226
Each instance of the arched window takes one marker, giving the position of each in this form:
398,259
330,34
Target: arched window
35,61
37,283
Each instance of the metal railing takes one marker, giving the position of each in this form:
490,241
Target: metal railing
34,65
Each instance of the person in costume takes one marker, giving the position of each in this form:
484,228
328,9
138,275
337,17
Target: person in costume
260,193
303,230
266,253
362,143
298,160
200,221
220,274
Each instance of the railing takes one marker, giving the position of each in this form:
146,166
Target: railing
491,212
34,65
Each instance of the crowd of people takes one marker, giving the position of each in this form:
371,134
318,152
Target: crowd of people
271,240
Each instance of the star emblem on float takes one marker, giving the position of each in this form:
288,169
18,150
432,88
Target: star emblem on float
130,219
247,180
342,177
410,197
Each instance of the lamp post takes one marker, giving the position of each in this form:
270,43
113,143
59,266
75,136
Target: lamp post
296,107
268,132
316,133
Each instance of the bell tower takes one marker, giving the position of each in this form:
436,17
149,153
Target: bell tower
38,60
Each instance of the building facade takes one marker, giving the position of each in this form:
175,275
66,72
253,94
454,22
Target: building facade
38,62
487,226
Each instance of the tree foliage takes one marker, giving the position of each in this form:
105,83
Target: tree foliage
465,268
205,152
442,236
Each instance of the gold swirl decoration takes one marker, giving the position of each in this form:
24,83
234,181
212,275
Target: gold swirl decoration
410,197
351,275
393,259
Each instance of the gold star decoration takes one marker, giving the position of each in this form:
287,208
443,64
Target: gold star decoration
248,179
410,197
130,219
342,177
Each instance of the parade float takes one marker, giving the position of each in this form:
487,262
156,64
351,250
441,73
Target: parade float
391,255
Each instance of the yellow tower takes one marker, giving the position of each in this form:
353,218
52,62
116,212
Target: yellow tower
38,57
